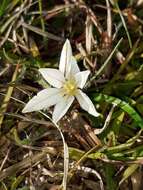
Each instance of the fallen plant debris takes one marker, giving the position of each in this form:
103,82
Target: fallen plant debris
96,143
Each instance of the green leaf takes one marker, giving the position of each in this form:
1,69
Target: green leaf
129,171
110,172
16,182
122,104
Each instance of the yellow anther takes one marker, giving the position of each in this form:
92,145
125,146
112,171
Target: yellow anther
70,87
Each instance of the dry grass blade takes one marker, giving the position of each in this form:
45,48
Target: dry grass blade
14,17
84,54
92,16
127,60
4,160
41,32
89,170
109,20
124,24
8,95
105,63
29,119
107,121
8,22
89,35
25,163
66,153
6,35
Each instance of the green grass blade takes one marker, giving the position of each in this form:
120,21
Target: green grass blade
124,24
123,105
3,6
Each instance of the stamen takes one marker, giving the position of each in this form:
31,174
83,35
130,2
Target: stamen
70,87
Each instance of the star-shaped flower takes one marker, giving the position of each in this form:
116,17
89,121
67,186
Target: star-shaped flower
67,83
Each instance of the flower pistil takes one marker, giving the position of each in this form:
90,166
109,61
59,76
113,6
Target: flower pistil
70,87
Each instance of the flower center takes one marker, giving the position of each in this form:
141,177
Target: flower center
70,87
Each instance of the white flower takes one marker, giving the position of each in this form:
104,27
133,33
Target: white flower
67,82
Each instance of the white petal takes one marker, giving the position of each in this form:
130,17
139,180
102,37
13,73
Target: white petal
74,66
86,103
43,100
53,76
61,108
81,78
65,60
